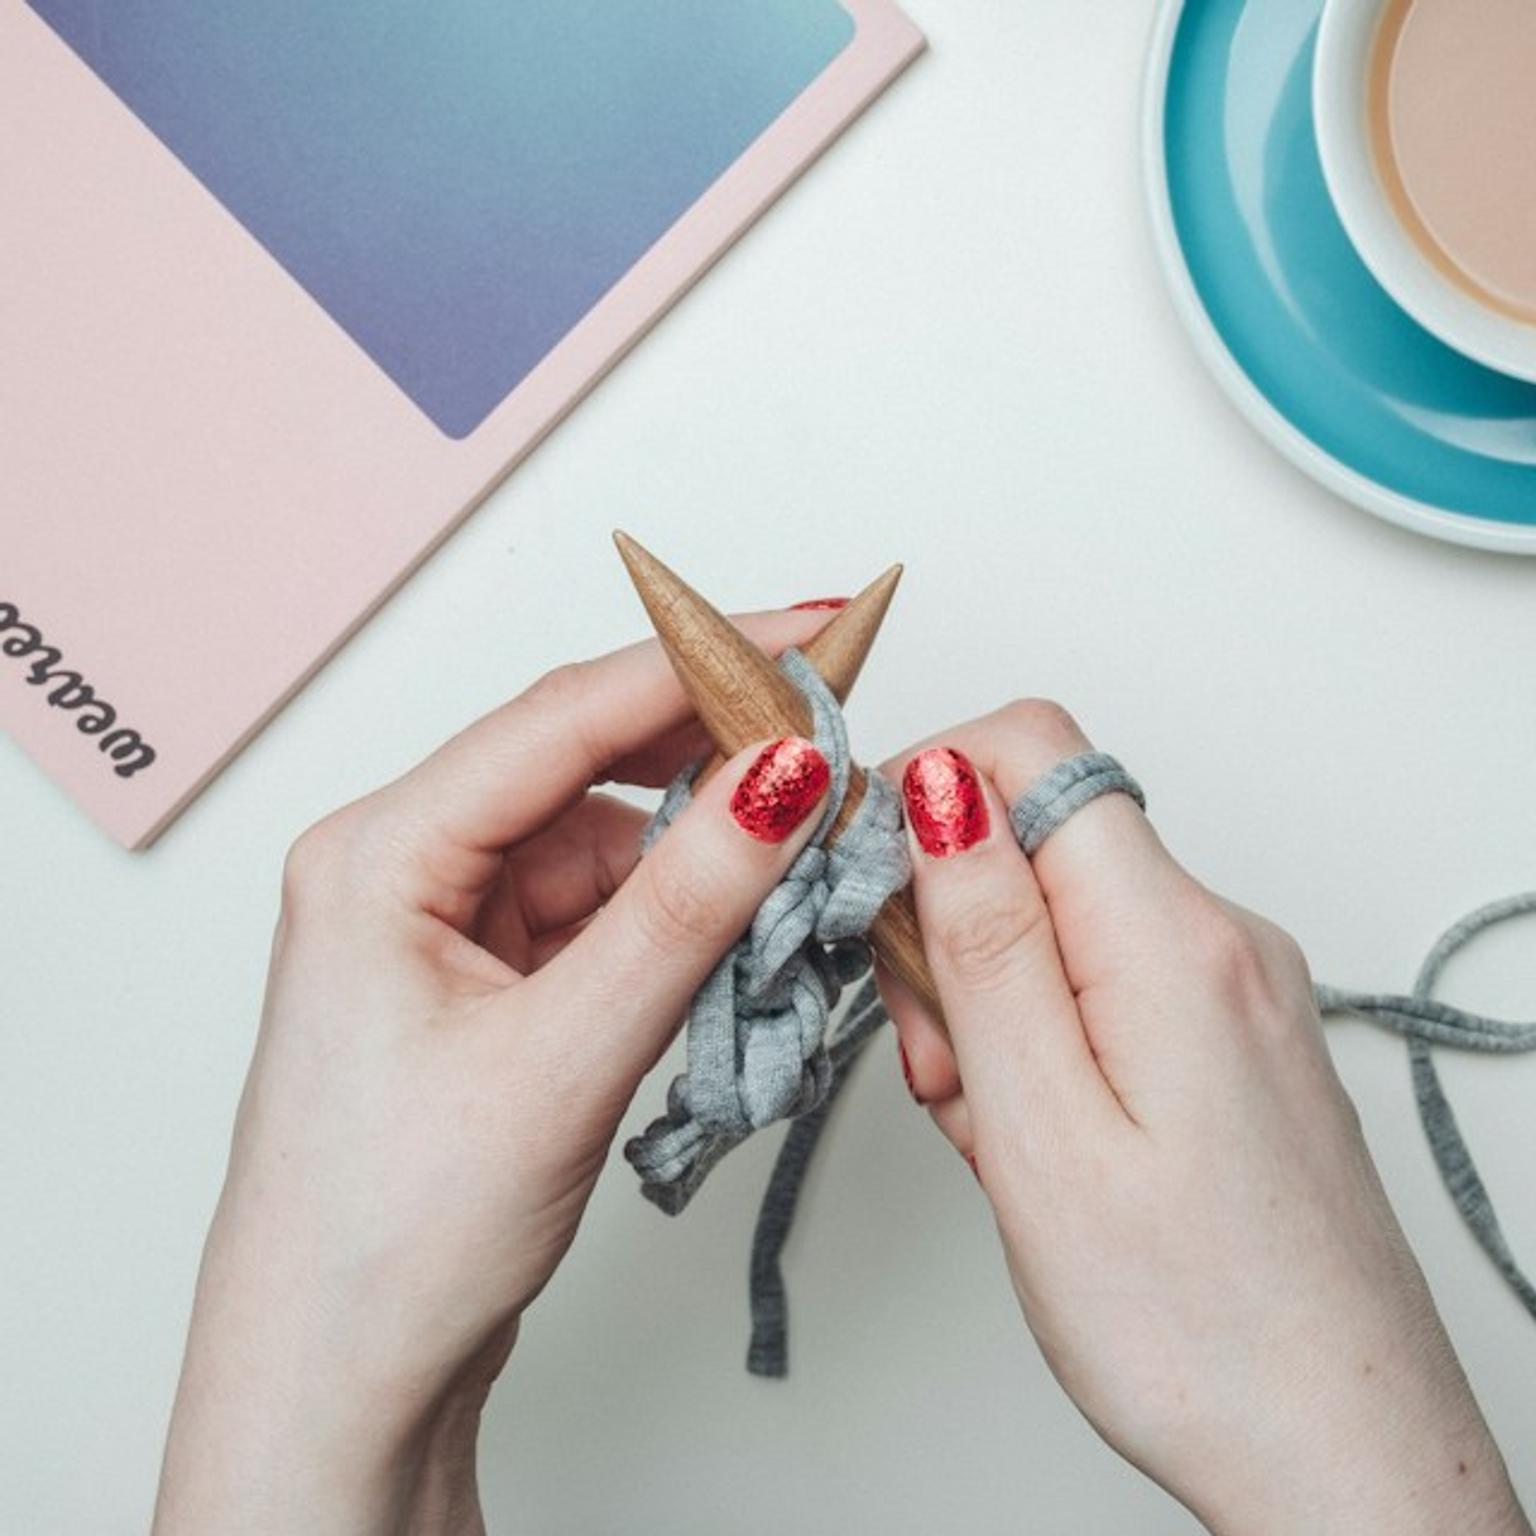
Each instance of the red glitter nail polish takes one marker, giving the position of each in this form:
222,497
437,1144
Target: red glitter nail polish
945,805
906,1068
970,1162
780,789
819,602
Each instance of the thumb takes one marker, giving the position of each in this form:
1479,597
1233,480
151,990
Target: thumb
613,998
1024,1061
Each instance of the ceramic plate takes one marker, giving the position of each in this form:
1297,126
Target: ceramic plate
1294,327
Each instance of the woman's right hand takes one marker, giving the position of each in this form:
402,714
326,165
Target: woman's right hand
1194,1227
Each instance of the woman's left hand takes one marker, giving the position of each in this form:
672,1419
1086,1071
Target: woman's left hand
470,977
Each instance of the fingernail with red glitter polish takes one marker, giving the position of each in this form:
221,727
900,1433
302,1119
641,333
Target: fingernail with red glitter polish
780,789
906,1069
970,1162
945,805
819,602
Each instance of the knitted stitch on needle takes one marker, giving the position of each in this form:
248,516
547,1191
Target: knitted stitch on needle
760,1047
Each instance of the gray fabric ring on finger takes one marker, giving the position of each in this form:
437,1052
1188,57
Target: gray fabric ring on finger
1053,799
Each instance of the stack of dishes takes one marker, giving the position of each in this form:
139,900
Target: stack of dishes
1344,198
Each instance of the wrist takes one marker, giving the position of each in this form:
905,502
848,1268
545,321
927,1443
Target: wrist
301,1409
446,1496
1407,1510
276,1440
252,1470
445,1499
1376,1479
248,1455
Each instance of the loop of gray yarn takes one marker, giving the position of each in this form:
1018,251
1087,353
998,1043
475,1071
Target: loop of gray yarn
1064,791
1424,1022
756,1029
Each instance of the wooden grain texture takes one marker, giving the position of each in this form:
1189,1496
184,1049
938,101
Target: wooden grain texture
740,696
838,650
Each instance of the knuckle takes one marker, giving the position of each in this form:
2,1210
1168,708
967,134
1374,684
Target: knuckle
978,940
558,687
1042,720
1226,948
1246,962
314,862
1287,959
681,905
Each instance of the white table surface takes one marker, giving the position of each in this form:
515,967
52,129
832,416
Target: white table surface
949,345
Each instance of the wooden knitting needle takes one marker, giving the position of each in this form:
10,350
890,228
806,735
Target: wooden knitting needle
838,650
740,696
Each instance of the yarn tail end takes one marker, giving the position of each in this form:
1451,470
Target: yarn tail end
768,1358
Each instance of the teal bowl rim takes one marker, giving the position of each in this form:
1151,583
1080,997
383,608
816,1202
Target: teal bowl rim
1270,422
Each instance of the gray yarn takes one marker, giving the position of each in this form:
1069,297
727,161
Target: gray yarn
757,1030
1065,790
1425,1022
768,1351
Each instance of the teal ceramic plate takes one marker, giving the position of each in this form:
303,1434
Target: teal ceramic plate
1295,328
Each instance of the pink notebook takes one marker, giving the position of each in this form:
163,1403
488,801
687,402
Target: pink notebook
286,288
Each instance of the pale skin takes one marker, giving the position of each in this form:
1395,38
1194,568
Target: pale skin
473,972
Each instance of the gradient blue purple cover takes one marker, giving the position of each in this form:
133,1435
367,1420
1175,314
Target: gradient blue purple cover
457,183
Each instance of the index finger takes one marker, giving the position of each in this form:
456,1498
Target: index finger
503,777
